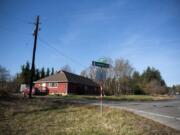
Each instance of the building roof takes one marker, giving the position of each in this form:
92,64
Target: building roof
63,76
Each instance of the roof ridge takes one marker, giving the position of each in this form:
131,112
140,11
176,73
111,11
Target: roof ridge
77,75
64,76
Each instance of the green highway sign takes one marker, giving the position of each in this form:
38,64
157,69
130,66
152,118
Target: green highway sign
100,64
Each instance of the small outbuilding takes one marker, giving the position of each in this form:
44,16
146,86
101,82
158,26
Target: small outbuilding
65,83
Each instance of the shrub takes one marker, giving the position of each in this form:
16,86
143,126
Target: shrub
138,90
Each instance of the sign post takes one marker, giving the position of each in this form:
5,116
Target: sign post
101,79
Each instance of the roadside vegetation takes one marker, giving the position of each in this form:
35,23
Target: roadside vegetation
53,116
117,98
121,78
175,89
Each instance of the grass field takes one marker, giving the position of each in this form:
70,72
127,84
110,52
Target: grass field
121,98
49,116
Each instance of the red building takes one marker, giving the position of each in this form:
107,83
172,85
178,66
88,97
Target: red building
65,83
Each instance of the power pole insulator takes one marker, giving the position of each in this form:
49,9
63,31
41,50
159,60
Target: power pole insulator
35,34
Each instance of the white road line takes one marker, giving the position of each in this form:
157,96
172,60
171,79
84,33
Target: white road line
150,113
139,111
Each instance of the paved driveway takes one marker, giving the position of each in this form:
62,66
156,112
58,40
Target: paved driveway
165,112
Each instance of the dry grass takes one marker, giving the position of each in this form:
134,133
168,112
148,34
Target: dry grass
49,116
121,98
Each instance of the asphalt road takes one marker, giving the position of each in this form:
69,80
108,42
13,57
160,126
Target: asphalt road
165,112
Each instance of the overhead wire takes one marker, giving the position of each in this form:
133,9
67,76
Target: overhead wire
60,52
42,40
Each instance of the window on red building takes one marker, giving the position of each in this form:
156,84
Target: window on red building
52,84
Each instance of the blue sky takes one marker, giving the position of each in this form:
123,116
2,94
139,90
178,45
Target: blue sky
145,32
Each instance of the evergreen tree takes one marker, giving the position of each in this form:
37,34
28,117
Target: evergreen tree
37,75
52,71
136,76
26,73
42,73
152,81
152,74
48,72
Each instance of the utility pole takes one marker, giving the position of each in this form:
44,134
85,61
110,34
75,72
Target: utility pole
35,34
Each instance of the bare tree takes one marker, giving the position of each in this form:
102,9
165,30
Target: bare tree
155,87
117,77
122,68
122,74
4,74
84,73
4,80
92,72
66,68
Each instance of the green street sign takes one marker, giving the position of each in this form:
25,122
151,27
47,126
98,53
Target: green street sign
103,60
100,64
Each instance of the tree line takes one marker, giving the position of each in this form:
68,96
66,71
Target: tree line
23,77
121,79
9,84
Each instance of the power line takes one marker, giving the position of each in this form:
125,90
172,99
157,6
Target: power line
61,53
